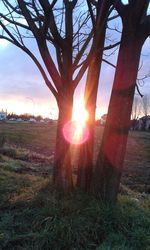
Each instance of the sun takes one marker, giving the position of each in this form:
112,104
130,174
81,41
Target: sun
80,114
76,131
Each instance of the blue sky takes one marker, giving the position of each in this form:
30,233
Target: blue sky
22,89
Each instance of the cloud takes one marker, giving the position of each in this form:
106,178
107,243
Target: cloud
20,78
19,75
3,44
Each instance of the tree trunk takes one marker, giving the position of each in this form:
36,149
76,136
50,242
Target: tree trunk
62,174
85,163
109,164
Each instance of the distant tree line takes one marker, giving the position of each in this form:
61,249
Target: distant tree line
26,117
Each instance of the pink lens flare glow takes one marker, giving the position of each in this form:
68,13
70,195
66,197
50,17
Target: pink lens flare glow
75,134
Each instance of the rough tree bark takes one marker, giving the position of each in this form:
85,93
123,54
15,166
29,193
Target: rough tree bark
110,160
62,175
85,163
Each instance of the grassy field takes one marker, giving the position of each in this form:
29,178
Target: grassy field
35,137
34,216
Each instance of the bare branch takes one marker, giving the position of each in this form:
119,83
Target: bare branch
14,22
104,60
112,18
48,83
78,57
138,90
25,49
91,12
15,9
120,7
7,38
49,21
9,33
28,17
37,14
111,46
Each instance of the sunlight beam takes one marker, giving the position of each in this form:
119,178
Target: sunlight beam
76,131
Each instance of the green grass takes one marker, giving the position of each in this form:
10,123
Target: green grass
33,136
147,153
33,216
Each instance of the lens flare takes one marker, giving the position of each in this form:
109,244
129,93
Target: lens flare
75,134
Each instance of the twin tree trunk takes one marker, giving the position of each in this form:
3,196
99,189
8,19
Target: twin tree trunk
110,160
85,163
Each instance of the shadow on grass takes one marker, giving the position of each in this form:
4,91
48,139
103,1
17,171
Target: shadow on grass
34,216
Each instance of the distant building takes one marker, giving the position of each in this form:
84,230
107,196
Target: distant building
32,120
3,115
12,119
19,120
144,123
42,121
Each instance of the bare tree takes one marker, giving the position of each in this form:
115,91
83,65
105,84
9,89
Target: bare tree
54,24
110,160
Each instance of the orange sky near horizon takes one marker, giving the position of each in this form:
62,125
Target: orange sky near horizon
44,108
22,89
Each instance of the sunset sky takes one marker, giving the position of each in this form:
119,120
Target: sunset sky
22,89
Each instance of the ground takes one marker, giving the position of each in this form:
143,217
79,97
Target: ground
34,216
136,174
37,142
137,162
